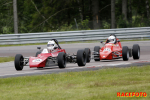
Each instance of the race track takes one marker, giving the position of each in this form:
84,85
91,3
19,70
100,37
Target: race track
8,69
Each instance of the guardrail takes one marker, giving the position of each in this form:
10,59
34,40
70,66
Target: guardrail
43,37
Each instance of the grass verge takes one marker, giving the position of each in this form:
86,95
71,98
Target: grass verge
88,85
6,59
89,41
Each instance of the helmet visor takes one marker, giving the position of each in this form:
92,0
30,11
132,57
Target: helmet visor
111,40
50,45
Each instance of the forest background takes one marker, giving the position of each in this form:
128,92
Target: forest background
71,15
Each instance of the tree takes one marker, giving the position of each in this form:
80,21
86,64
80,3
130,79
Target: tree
6,17
80,11
147,8
129,12
124,9
113,21
95,10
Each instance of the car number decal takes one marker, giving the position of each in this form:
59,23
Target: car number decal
37,60
107,49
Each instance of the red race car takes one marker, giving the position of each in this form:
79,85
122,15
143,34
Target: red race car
112,49
53,55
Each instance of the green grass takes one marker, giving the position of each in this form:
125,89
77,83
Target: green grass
70,42
88,85
6,59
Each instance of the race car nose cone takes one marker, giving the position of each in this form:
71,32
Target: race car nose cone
104,55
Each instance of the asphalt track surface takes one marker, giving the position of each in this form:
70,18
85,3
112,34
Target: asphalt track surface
8,70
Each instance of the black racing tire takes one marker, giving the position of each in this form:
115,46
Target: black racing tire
19,62
88,55
81,58
96,49
61,60
39,68
125,53
136,51
37,53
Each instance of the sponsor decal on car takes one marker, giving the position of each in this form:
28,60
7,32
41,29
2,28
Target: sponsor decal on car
132,94
115,45
109,44
37,60
107,49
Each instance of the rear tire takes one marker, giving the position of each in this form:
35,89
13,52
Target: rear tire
88,55
62,60
19,62
136,51
96,49
81,58
125,53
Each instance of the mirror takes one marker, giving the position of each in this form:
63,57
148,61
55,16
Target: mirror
118,40
101,41
38,47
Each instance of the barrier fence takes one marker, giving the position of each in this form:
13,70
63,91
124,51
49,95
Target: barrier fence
65,36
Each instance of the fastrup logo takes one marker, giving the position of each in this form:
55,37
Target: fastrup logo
131,94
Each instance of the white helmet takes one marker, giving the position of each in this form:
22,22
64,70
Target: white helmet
111,39
50,45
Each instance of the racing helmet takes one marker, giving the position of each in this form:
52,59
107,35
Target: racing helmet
111,39
50,45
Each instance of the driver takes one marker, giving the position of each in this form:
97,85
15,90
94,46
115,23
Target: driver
51,45
111,39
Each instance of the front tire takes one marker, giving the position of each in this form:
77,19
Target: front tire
39,68
136,51
81,58
125,53
62,60
88,55
19,62
97,57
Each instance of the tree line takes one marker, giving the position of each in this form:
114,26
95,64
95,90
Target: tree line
65,15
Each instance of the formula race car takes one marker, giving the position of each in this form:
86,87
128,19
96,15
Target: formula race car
53,55
112,49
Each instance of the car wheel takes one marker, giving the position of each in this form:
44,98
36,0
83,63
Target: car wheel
136,51
96,56
125,53
39,67
88,55
37,53
62,60
19,62
81,58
